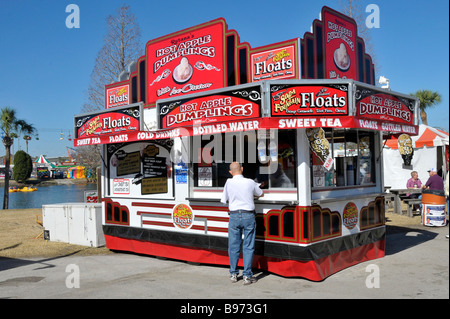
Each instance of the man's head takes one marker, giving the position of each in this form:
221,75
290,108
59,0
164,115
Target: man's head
236,169
432,171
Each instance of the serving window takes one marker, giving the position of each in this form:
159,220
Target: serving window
350,160
267,156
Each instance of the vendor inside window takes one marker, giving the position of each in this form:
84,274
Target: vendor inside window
268,157
341,157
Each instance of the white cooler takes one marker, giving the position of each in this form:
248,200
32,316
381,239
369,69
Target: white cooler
74,223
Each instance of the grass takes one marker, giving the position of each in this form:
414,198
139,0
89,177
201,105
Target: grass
19,237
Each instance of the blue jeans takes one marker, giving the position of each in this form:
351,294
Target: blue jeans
241,222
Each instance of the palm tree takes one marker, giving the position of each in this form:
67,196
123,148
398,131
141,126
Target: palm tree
9,124
13,136
427,99
28,129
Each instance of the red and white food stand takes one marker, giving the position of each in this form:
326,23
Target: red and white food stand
310,132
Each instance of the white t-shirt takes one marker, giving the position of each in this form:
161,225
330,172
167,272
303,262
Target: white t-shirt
239,192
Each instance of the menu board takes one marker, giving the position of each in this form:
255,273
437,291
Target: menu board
128,163
140,168
154,185
154,166
155,171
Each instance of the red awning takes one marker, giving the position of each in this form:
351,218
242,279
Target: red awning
428,137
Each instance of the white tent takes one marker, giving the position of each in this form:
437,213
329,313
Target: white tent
43,160
430,150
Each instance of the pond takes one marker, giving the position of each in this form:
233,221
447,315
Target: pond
52,194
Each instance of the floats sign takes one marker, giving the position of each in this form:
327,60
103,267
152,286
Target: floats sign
350,215
117,96
275,62
182,216
185,62
120,120
309,100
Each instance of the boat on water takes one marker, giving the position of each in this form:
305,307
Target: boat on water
23,189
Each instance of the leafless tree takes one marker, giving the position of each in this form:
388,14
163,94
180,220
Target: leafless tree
121,45
355,10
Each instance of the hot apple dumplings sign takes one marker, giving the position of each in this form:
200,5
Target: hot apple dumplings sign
188,61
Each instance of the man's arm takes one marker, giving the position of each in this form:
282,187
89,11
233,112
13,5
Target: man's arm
257,192
224,198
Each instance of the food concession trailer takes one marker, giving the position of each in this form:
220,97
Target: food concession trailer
315,145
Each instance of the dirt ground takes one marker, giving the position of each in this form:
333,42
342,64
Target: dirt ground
21,235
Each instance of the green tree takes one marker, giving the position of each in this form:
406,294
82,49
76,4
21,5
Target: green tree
23,166
10,124
427,99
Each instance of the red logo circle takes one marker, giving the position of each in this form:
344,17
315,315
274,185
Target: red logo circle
350,215
182,216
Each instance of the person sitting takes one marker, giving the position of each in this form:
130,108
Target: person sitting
414,183
434,182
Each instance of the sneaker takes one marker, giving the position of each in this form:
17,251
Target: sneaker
233,278
249,280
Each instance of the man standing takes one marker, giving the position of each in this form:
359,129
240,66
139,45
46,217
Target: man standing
239,192
435,182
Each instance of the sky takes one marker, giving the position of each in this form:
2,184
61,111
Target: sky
46,67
